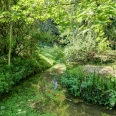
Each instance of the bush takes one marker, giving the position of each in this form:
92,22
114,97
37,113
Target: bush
81,47
91,87
20,69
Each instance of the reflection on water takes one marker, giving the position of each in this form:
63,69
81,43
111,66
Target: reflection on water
81,109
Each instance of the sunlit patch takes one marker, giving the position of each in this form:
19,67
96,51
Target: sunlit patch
21,112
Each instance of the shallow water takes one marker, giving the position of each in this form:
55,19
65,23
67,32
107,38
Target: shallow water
77,108
82,109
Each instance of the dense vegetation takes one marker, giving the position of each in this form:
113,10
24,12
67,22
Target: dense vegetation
92,87
35,34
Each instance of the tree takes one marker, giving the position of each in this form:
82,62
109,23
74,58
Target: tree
69,15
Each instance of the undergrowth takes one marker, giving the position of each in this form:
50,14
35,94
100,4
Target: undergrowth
90,87
20,69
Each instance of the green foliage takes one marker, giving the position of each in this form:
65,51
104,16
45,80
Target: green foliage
81,47
91,15
58,53
90,87
110,29
55,53
20,69
85,24
103,45
70,16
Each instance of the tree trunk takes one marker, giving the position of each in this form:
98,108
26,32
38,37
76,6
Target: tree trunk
10,45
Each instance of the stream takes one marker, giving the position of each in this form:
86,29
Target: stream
75,106
82,109
25,97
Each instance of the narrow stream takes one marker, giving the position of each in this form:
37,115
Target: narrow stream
77,108
82,109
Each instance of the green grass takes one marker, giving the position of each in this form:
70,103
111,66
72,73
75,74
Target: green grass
48,52
54,53
17,103
20,101
34,96
49,60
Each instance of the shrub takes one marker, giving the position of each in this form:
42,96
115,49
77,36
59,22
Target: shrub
19,69
90,87
81,47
